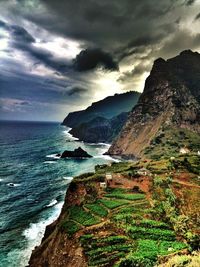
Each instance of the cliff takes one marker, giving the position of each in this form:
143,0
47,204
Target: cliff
100,130
170,102
132,221
107,108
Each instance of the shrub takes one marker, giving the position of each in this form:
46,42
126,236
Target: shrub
70,227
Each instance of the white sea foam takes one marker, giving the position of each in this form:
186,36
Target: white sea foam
52,203
49,161
67,178
69,136
1,180
107,157
13,185
53,156
35,232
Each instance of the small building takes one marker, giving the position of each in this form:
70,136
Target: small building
198,153
109,177
143,171
184,150
103,185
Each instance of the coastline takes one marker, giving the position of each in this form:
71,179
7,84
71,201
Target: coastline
45,225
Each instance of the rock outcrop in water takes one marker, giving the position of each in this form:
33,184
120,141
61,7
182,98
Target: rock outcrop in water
77,153
170,102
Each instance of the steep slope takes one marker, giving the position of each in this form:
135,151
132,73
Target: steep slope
108,107
136,221
100,129
170,101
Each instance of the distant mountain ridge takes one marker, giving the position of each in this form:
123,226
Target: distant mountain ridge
168,111
100,129
107,108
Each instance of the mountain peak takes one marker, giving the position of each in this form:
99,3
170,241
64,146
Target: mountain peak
171,99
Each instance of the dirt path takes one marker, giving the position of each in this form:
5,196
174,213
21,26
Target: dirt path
186,183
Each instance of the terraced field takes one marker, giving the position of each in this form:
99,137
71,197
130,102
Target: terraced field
117,229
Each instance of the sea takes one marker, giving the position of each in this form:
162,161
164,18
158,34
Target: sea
34,181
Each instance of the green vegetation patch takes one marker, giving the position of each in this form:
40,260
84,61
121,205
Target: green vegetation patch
70,227
97,209
169,140
126,196
112,204
79,215
102,251
148,250
138,232
153,224
115,167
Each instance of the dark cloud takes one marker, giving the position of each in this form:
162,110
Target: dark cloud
20,34
106,24
89,59
130,34
197,16
77,91
21,39
135,73
189,2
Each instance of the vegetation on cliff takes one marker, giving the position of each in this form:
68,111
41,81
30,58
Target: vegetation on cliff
141,218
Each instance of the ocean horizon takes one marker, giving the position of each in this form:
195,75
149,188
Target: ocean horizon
34,181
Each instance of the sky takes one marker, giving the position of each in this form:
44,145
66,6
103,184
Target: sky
58,56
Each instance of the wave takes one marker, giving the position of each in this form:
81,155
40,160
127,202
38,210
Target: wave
52,203
53,156
1,180
67,178
13,185
49,161
107,157
35,233
70,136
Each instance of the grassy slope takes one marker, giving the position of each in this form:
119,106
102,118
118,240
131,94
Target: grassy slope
168,142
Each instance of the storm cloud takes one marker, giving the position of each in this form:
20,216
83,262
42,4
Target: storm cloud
66,54
89,59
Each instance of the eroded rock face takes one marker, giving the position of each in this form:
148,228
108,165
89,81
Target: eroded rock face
56,248
100,130
77,153
171,97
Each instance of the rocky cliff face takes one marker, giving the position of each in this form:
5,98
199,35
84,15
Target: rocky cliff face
56,248
171,99
100,129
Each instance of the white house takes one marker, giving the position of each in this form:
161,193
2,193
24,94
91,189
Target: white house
103,185
184,150
109,176
143,171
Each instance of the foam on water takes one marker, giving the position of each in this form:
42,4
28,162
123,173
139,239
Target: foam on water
67,178
52,203
53,156
49,161
35,232
70,136
107,157
13,185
